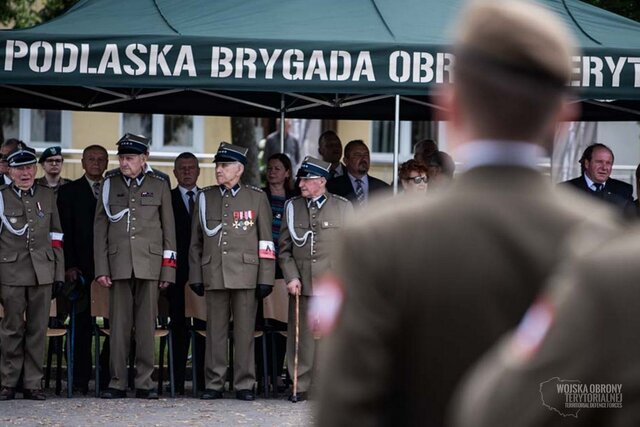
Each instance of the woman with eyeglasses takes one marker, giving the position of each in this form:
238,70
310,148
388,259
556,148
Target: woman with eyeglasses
413,177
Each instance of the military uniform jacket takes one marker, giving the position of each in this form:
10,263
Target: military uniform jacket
323,225
231,258
142,241
36,257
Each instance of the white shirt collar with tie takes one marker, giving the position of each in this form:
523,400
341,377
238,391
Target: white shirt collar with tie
185,196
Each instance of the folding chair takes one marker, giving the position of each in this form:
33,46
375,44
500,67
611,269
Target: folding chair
56,334
100,308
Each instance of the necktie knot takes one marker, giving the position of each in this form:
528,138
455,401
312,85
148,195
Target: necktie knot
598,187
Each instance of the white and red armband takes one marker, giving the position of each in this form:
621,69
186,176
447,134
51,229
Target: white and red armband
169,259
266,249
56,239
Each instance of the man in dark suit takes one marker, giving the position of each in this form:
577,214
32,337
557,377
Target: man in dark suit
596,164
186,170
357,185
330,148
77,206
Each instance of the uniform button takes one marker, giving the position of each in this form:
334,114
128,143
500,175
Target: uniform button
133,209
224,233
28,210
133,228
226,205
224,243
224,223
227,195
224,252
31,229
133,219
26,201
30,220
30,249
313,253
133,237
133,200
225,215
314,224
313,216
314,260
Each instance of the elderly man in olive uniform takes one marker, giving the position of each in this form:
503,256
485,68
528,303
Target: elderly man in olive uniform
310,227
134,247
31,260
232,257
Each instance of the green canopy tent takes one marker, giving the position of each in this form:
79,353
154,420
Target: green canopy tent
303,58
356,59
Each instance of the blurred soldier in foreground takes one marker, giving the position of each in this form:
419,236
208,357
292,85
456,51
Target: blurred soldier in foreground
31,260
311,225
134,250
431,284
232,261
573,361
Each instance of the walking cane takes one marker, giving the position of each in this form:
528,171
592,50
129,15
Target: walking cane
294,397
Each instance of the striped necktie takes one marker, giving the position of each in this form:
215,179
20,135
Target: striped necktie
96,189
359,192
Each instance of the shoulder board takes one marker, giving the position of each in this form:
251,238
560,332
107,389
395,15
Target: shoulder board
41,183
157,175
254,188
112,173
3,186
209,188
335,196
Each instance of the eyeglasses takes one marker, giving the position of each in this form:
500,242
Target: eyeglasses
53,161
418,179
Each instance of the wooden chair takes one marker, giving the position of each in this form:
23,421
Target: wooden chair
55,335
100,301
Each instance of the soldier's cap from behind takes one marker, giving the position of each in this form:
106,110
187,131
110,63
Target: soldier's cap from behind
314,168
229,153
513,63
50,152
133,144
22,156
514,38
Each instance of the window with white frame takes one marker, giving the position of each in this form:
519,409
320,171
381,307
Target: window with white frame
167,132
382,138
38,128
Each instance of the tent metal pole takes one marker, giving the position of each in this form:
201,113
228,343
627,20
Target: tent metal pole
42,95
396,143
238,100
311,99
282,126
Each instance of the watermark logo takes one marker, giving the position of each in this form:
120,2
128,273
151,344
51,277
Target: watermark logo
567,397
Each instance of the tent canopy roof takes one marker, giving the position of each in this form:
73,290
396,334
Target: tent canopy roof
199,56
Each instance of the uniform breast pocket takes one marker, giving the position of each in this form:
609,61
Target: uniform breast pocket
149,206
301,228
16,217
213,221
330,228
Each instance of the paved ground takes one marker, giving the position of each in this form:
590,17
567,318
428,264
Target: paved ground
181,411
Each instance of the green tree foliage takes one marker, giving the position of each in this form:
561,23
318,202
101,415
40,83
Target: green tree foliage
27,13
628,8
